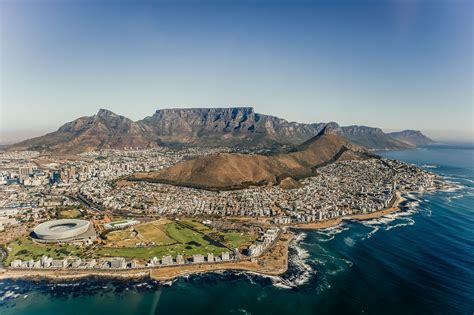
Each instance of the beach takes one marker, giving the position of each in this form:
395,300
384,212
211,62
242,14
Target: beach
365,216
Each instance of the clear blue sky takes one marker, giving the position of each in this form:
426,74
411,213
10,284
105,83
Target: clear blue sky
390,64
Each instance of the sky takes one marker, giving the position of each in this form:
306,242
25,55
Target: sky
398,64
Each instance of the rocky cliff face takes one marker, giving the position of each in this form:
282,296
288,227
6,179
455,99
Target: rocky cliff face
413,137
242,126
226,126
373,138
236,126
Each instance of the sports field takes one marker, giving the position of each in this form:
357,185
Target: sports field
166,237
70,214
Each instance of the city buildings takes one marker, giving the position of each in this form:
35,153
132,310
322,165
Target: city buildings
33,191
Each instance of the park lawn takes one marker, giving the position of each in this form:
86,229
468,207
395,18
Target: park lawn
185,237
237,239
183,234
151,232
70,214
25,249
120,235
198,226
230,239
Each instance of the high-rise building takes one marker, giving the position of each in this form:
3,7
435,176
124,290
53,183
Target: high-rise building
198,258
180,260
25,170
72,171
225,256
167,260
56,177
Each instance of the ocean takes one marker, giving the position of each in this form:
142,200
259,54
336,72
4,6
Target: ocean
416,261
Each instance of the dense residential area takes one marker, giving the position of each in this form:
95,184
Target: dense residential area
139,223
340,188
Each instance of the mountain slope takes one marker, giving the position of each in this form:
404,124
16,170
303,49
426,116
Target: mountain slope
373,138
413,137
235,171
205,127
103,130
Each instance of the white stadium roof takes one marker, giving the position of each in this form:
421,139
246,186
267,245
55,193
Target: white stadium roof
61,229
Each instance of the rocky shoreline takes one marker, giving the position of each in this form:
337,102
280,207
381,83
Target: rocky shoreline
273,263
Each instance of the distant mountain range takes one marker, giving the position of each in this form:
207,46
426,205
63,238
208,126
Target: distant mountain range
414,137
210,127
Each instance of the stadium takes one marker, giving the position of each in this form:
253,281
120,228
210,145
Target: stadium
65,230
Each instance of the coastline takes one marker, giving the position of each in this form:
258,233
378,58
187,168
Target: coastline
274,262
65,274
359,217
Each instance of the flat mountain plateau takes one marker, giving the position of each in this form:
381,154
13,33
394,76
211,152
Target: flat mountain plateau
238,127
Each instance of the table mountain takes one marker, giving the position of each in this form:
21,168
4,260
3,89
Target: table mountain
226,126
210,127
242,126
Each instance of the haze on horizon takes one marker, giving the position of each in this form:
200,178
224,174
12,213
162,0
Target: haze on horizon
390,64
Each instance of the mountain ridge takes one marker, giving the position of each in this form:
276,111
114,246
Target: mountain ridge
230,126
414,137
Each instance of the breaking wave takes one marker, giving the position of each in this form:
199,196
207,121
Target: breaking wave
331,232
299,270
429,166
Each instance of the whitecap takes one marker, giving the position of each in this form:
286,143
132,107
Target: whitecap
349,241
331,232
298,263
375,229
407,222
9,295
282,285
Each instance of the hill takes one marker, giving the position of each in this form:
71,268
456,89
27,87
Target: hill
235,171
105,130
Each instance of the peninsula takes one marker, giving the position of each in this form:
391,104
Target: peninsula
163,212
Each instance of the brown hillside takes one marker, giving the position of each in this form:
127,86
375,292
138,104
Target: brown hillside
234,171
105,130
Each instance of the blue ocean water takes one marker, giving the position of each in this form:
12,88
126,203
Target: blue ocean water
416,261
